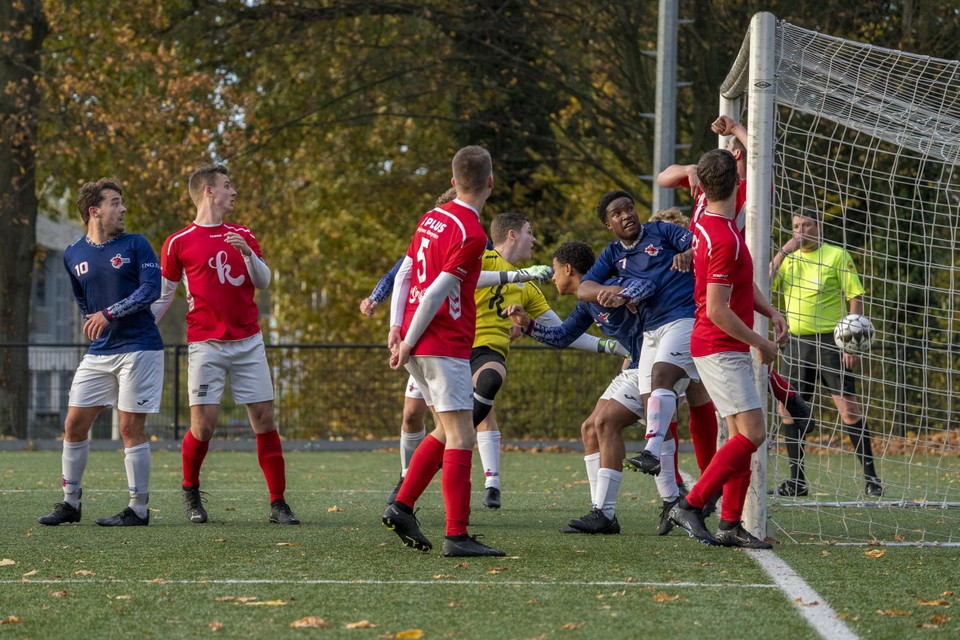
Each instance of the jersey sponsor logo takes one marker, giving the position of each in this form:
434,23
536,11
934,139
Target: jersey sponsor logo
201,391
118,261
497,300
604,317
434,225
651,250
219,263
630,397
416,293
150,265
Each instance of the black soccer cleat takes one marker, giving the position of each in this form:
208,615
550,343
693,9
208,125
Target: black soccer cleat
792,488
193,504
740,537
710,506
665,525
393,494
874,489
280,513
463,546
492,498
126,518
800,413
596,522
692,520
682,487
63,512
407,527
643,461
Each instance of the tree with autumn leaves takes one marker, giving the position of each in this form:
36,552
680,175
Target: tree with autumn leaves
338,118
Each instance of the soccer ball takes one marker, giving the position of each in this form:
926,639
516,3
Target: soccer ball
854,334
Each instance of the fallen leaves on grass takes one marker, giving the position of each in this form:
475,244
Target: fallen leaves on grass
572,626
664,597
495,570
461,565
7,562
215,626
83,572
230,509
123,597
454,604
362,624
800,603
310,622
288,544
875,553
32,572
240,599
58,594
933,603
266,603
334,509
937,620
219,539
409,634
443,576
11,620
893,612
159,581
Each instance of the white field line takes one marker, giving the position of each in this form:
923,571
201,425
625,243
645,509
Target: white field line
361,582
801,595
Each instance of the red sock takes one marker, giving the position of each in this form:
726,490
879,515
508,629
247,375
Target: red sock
423,466
192,453
728,461
676,452
456,489
270,457
703,432
735,494
780,387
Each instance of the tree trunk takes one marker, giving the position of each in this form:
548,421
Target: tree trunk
23,27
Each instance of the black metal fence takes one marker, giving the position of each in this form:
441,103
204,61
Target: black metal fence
337,391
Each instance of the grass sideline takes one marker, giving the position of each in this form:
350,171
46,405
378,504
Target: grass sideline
243,577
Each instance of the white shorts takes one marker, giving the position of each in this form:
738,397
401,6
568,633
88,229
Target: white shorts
669,343
623,389
245,361
132,381
412,390
728,378
446,383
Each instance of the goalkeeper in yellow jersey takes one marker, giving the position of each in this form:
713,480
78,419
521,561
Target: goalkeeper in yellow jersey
513,242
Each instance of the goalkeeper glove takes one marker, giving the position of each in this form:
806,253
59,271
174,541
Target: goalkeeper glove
607,345
540,272
636,290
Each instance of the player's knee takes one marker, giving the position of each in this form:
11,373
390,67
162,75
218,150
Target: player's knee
587,429
488,385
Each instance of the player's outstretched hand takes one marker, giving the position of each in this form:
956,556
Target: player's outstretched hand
538,272
368,306
516,313
682,261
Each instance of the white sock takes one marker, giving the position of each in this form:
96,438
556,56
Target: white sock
73,462
661,405
667,479
593,466
608,486
137,461
408,444
488,443
654,446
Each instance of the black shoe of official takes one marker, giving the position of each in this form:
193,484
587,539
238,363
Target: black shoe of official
665,525
792,488
596,522
492,498
740,537
407,527
800,412
643,461
461,546
874,488
691,519
280,513
193,504
63,512
393,494
126,518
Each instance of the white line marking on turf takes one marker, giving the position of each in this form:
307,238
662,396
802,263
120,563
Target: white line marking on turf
808,603
361,582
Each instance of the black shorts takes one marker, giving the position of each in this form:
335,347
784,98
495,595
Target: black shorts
810,357
480,356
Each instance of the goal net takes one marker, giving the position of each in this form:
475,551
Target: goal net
870,138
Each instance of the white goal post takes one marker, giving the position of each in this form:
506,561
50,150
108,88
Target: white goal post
870,138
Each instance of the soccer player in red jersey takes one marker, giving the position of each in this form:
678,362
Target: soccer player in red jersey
221,267
726,298
433,325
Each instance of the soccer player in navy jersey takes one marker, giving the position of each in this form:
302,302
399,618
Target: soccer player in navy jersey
726,299
620,406
653,252
115,277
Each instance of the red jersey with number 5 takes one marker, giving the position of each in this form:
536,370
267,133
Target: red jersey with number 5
448,239
219,290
